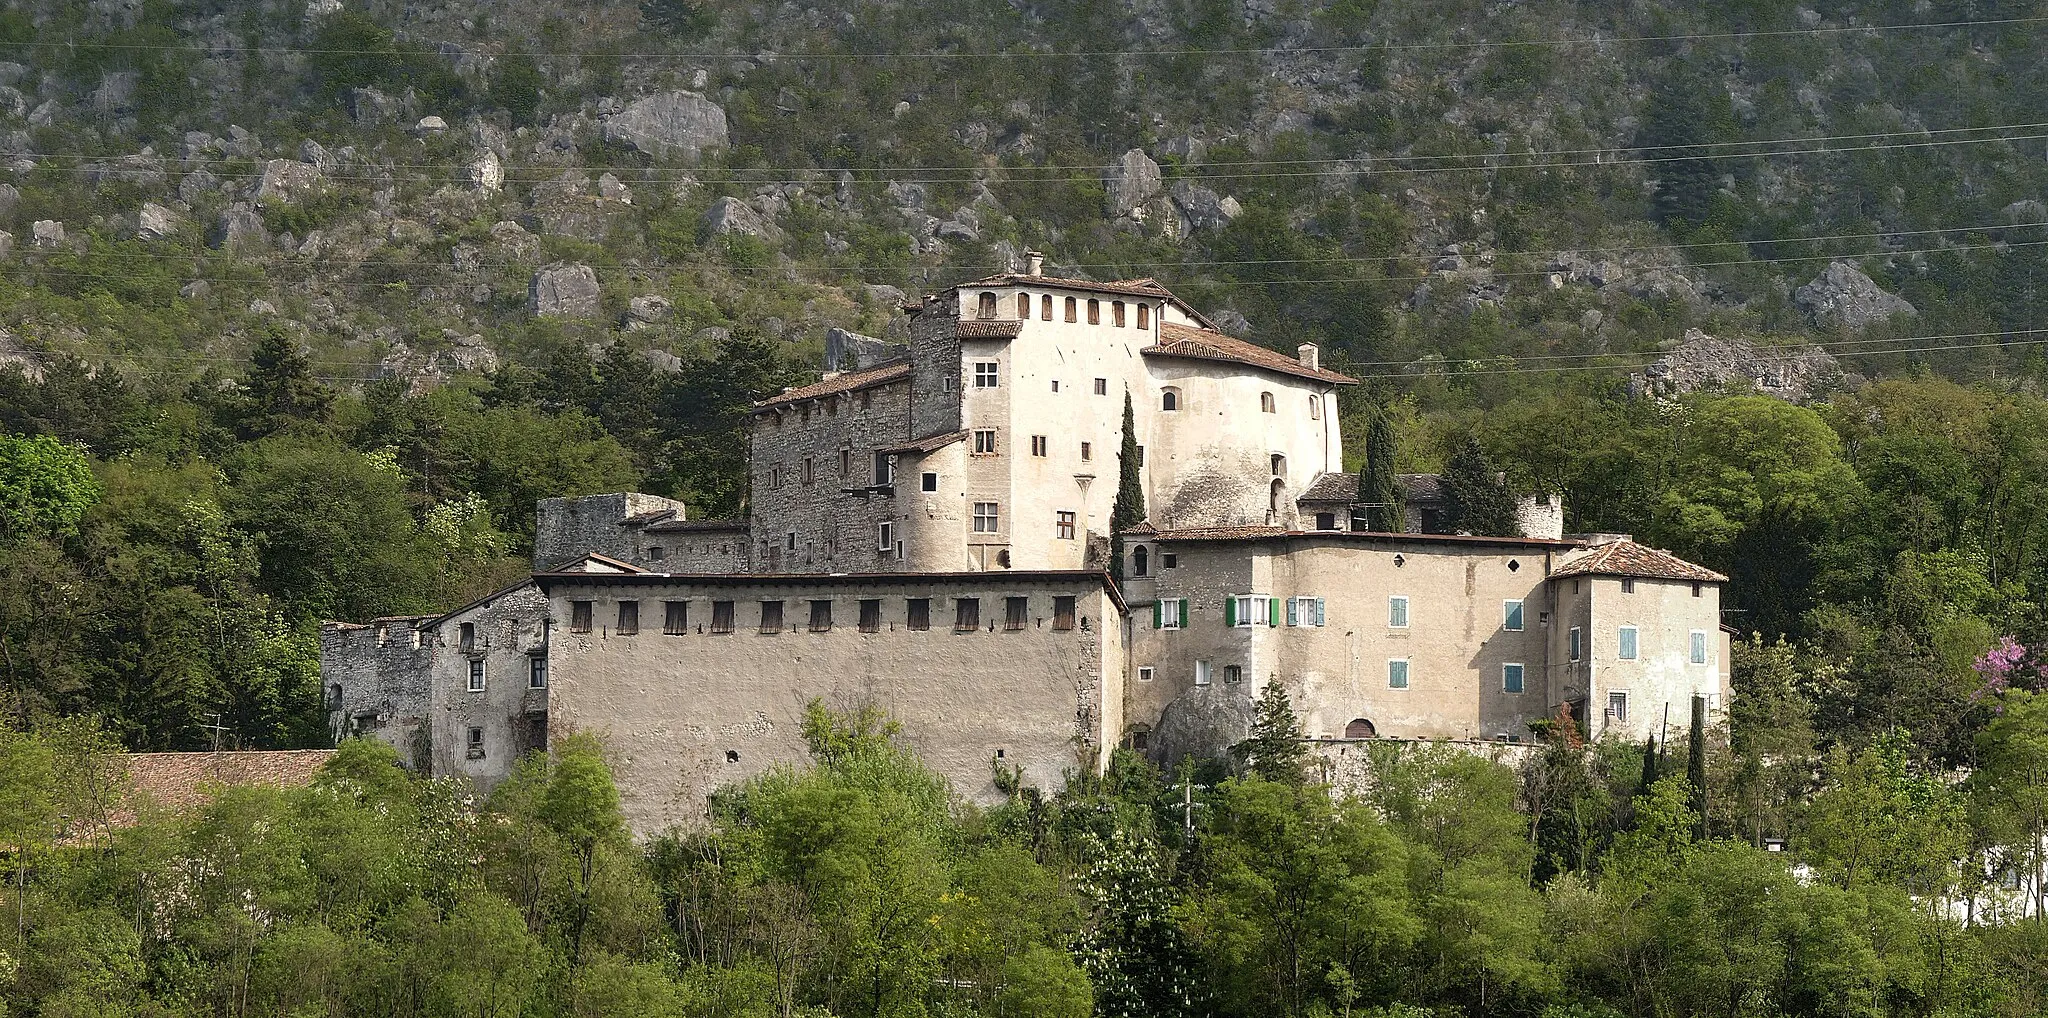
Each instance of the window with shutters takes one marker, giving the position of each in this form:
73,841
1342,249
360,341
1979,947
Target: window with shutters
1699,646
966,614
579,616
1144,316
771,616
985,306
1016,613
1062,613
721,616
821,615
1397,612
1305,611
1116,313
1626,641
1170,613
917,613
1574,643
871,615
629,618
1094,311
1045,307
1023,305
1628,585
1397,673
1072,313
1511,616
1511,678
1251,610
675,618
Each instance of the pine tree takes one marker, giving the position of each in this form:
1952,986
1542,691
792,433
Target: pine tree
1376,477
279,387
1129,508
1274,750
1481,504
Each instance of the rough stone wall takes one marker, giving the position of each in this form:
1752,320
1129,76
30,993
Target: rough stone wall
685,714
568,528
935,368
511,632
692,549
378,684
820,525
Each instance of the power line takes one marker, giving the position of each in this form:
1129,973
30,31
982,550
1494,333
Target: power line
1027,53
1454,374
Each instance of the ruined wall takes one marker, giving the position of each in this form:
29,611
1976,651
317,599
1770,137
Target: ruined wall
509,639
685,714
378,684
568,528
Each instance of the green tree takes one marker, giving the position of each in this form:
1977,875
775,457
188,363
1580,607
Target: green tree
1129,508
1044,983
581,805
1480,502
1275,749
280,387
1376,478
46,487
515,86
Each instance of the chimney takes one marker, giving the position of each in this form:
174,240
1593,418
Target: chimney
1310,357
1034,263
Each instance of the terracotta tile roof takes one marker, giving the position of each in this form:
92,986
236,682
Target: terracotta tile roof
184,780
1202,344
1332,488
993,328
927,443
848,382
1130,287
1247,533
1627,558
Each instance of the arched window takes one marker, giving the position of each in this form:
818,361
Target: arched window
1116,313
1273,497
1266,404
1045,307
1360,728
1023,306
334,697
1144,316
985,307
1072,312
1315,408
1094,311
1279,465
1140,560
1169,399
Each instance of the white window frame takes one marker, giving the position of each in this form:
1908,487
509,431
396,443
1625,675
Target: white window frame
1575,643
1144,673
990,435
1407,679
1521,672
1698,654
477,677
993,518
1201,671
1250,606
987,374
1397,601
885,536
1628,643
537,668
1169,612
1305,612
1513,616
1621,696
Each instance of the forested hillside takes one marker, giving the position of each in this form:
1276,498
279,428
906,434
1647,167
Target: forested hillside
308,303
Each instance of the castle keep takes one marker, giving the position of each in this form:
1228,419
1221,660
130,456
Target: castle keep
930,534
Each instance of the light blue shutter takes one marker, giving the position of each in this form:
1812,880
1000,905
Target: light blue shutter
1319,611
1293,611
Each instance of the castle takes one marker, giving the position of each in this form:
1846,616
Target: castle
930,534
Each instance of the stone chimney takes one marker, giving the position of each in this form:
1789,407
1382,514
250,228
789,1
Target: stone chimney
1310,357
1034,263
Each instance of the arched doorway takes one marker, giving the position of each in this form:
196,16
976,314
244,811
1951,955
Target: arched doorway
1360,728
1140,561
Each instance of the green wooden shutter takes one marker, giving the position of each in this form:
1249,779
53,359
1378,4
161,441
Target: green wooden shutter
1183,602
1156,617
1274,604
1230,611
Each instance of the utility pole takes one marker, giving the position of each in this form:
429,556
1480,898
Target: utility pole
216,728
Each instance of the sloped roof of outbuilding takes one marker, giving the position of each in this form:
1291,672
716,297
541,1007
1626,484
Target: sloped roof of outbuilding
1332,487
838,384
1203,344
1627,558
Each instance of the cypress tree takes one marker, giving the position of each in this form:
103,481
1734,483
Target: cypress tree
1376,477
1129,509
1696,766
1649,766
1481,504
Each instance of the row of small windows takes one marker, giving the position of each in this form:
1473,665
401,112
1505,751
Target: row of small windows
986,304
773,615
985,444
1171,400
